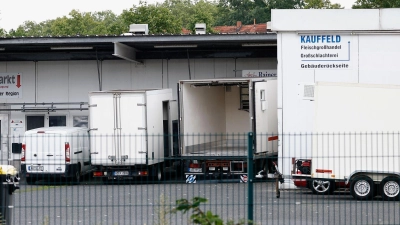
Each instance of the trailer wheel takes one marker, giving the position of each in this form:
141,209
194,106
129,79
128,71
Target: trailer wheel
390,188
322,187
159,170
362,188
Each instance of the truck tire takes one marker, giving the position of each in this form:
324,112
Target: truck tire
390,188
158,172
322,187
362,188
77,174
30,180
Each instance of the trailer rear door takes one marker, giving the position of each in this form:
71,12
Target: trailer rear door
118,126
265,124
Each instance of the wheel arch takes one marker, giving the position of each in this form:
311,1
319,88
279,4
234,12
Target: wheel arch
376,176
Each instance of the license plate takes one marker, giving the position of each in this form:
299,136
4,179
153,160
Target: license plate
121,173
195,170
36,168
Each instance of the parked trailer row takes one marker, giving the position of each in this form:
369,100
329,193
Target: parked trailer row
138,133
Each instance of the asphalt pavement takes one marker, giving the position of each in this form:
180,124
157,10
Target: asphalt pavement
92,202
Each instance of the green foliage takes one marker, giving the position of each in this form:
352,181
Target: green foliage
203,12
2,32
198,216
320,4
173,15
376,4
159,18
77,23
246,11
189,13
285,4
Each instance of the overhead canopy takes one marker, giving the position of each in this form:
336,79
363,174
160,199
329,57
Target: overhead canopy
143,47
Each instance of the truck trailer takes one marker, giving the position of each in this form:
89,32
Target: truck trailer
216,116
131,133
356,138
335,48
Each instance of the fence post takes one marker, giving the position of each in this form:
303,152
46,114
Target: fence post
250,175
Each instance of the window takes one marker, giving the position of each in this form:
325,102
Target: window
81,121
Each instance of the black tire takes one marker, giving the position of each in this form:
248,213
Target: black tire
158,172
362,188
30,180
77,175
390,188
322,187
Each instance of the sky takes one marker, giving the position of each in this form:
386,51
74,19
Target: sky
15,12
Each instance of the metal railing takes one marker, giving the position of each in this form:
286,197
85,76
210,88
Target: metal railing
321,173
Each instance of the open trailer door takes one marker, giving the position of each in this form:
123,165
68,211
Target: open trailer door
265,122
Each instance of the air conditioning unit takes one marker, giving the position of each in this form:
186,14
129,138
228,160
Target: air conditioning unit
200,28
139,29
269,26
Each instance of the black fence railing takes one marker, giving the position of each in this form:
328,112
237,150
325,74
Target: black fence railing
229,178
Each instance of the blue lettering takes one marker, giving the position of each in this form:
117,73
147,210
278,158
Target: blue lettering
320,38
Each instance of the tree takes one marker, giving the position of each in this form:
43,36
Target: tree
31,29
321,4
160,19
246,11
203,12
77,23
376,4
181,9
285,4
3,32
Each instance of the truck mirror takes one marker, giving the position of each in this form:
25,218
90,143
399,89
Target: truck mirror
16,148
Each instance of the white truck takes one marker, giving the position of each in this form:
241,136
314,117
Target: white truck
357,139
216,116
131,133
60,152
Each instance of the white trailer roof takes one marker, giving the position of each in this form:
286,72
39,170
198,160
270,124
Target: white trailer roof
56,130
125,91
335,19
228,80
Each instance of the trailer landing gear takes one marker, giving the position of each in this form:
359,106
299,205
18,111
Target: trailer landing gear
278,178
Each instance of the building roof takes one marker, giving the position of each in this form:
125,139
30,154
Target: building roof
141,47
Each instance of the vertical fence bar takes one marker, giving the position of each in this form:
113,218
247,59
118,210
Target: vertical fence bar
250,176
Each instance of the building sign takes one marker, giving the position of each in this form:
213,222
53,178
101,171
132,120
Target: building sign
259,73
10,85
325,51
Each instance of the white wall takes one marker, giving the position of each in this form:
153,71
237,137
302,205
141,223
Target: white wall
70,81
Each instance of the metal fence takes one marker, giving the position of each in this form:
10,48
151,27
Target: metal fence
234,173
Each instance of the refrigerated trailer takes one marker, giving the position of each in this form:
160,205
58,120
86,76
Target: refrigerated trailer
334,48
216,116
356,138
132,132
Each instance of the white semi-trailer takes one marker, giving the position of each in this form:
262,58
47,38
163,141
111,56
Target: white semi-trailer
216,116
132,133
335,47
356,138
